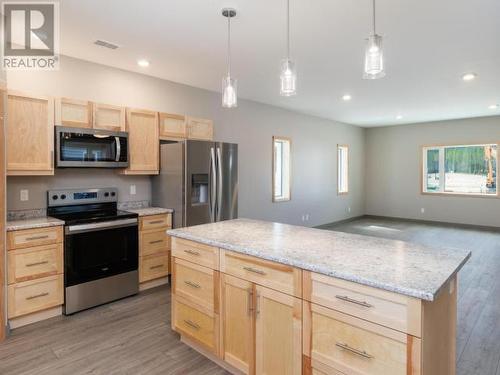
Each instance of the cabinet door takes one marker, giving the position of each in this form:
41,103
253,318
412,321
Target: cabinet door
172,126
198,128
30,134
278,333
73,113
108,117
238,323
144,144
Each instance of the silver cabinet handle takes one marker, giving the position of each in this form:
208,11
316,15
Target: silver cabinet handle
37,263
156,241
354,351
254,270
257,309
356,302
156,221
192,285
37,237
37,296
157,266
192,252
192,324
250,301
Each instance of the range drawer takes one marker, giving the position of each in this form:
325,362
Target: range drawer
354,346
194,283
195,252
34,262
154,242
153,267
273,275
388,309
34,237
195,324
155,222
35,295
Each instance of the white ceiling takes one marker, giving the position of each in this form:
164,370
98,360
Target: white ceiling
428,45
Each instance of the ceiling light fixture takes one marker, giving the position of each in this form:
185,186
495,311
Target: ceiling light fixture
288,76
143,63
469,77
346,97
229,84
374,56
494,106
399,117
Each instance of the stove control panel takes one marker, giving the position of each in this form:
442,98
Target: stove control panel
68,197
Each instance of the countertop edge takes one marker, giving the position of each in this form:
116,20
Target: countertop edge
15,225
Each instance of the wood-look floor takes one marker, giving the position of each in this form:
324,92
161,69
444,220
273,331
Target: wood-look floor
133,336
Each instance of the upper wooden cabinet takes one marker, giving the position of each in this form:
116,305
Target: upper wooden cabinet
197,128
74,113
143,142
108,117
172,126
30,134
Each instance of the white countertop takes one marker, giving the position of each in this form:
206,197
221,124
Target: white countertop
397,266
150,211
37,222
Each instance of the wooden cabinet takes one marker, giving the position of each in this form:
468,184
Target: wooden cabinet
204,255
197,128
108,117
144,143
172,126
73,113
34,262
34,237
30,135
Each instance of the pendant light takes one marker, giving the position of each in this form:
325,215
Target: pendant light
374,56
229,84
288,76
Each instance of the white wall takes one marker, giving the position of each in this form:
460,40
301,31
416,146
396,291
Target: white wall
393,171
251,125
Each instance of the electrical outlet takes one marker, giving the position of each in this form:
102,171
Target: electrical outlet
349,209
422,210
303,217
133,190
24,195
307,217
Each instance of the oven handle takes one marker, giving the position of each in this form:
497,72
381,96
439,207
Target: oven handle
81,228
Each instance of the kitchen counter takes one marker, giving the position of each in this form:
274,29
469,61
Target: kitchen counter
396,266
31,223
150,211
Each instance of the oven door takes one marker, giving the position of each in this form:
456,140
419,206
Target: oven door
98,250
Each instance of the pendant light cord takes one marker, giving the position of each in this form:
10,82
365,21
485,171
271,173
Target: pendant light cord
229,46
374,22
288,29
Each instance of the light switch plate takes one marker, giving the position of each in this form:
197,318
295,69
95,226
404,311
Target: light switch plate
133,190
24,195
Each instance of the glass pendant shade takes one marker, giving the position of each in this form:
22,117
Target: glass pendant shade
374,58
229,92
288,78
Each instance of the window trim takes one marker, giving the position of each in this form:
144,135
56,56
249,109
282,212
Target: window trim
338,168
454,194
287,197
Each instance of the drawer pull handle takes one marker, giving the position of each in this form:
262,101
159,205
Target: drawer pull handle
250,301
192,285
354,351
156,221
157,266
37,237
37,263
257,308
37,296
192,324
356,302
153,242
254,270
192,252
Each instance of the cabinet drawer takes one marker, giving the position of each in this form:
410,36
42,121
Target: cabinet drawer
195,252
33,237
35,295
155,222
354,346
276,276
153,267
34,262
194,324
388,309
154,242
318,368
194,283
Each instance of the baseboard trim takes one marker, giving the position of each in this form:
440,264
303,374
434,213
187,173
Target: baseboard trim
35,317
153,283
343,221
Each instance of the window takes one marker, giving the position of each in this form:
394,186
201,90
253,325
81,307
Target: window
463,169
281,169
342,169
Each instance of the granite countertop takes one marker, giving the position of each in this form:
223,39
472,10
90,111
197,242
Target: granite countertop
30,223
150,211
397,266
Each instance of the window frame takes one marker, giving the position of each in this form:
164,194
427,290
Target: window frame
339,147
441,192
286,195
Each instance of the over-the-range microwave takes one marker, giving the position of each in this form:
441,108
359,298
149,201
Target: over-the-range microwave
90,148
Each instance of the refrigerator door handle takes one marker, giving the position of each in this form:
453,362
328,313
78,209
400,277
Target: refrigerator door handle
219,184
213,187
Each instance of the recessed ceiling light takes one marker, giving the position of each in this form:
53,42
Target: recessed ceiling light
346,97
399,117
494,106
143,63
469,76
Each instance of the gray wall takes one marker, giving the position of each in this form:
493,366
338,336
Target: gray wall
393,171
251,125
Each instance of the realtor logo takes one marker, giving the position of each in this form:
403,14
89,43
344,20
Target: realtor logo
30,35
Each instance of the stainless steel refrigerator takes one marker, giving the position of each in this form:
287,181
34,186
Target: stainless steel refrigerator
199,180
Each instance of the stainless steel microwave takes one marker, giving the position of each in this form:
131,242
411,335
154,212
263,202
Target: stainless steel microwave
90,148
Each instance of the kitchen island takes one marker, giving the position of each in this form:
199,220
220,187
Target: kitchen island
268,298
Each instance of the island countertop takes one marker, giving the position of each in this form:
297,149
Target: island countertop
397,266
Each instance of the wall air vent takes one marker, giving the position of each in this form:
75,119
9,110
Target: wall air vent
103,43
